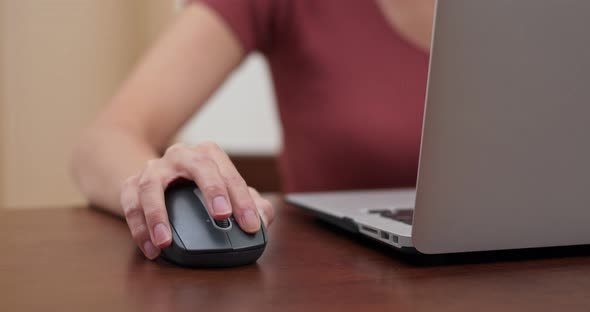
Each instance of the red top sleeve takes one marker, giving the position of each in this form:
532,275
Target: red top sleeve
250,20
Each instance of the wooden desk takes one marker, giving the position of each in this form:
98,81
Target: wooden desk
77,259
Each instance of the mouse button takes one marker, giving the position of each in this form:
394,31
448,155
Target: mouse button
193,225
205,241
176,239
242,240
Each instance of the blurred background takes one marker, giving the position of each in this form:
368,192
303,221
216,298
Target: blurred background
62,60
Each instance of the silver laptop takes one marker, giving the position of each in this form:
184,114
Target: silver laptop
505,157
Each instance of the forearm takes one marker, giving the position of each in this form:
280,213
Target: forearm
168,86
412,19
104,159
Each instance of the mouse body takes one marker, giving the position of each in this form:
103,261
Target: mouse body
200,241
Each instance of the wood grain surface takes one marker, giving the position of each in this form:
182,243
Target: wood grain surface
78,259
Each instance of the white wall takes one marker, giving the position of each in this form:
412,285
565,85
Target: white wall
241,117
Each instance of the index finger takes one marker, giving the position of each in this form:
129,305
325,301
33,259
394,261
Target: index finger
244,208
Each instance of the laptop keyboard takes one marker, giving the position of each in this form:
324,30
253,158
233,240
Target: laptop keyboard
401,215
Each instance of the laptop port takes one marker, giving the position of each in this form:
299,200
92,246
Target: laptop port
385,235
370,230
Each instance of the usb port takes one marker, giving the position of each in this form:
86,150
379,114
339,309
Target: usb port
385,235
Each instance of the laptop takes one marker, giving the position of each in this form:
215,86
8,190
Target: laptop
505,154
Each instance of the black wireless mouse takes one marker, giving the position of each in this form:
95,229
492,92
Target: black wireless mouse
200,241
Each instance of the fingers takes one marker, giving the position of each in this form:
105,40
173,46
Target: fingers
223,188
265,208
201,168
136,219
224,191
151,198
243,206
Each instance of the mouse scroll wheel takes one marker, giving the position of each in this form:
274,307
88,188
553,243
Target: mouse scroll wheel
222,223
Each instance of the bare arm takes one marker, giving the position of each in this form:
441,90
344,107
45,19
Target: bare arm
411,18
118,164
172,81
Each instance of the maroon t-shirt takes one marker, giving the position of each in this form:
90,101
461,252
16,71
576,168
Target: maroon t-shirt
350,90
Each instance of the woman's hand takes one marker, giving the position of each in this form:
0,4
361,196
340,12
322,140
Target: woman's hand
224,190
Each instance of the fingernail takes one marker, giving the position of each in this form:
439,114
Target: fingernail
220,206
150,250
250,220
161,234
